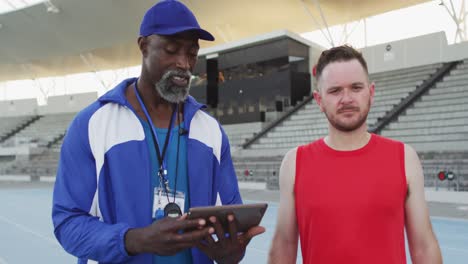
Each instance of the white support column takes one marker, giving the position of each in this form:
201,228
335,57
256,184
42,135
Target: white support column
324,20
37,84
347,33
459,18
44,92
365,32
221,33
51,8
87,59
344,34
11,4
319,26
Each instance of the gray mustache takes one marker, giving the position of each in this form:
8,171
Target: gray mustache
178,73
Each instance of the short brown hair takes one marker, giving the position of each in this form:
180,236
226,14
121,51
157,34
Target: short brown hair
340,53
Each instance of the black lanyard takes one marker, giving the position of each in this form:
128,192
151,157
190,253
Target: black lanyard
162,172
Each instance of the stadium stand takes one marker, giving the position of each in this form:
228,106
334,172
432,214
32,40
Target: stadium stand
447,161
32,147
43,136
5,161
46,129
436,125
392,87
303,126
12,124
239,133
429,129
43,164
258,169
438,121
424,105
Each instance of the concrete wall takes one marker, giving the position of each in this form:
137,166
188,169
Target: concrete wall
456,52
417,51
22,107
55,104
412,52
71,103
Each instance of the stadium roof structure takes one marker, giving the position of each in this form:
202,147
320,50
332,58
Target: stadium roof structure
59,37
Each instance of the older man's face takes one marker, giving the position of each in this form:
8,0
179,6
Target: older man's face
170,61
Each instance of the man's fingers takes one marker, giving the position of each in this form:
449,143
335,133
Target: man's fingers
232,228
195,235
254,231
218,228
182,224
247,236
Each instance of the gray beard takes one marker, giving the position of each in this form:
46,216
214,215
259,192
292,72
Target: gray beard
171,92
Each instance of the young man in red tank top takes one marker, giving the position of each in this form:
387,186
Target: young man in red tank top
351,195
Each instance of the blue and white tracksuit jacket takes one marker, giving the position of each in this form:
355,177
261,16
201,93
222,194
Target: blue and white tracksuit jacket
103,184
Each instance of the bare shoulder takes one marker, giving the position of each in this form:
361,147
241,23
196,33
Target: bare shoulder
288,170
290,156
410,153
413,167
289,160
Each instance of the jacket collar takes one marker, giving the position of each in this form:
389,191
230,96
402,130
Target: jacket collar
117,95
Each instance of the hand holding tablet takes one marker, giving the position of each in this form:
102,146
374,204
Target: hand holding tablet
245,215
234,225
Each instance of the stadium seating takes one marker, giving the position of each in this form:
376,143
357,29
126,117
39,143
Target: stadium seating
436,125
258,169
438,121
10,124
435,162
46,129
239,133
393,86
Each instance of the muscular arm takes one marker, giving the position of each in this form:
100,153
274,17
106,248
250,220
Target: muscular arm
284,245
423,245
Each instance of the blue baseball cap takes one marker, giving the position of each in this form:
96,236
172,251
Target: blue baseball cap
170,17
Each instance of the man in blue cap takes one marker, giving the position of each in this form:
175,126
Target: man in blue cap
136,159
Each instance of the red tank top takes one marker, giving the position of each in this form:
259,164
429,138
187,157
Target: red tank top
350,204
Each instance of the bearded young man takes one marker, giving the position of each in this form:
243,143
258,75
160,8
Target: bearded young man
350,196
136,159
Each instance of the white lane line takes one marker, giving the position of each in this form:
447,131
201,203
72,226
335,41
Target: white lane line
27,230
2,261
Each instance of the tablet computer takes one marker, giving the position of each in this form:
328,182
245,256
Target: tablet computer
246,215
